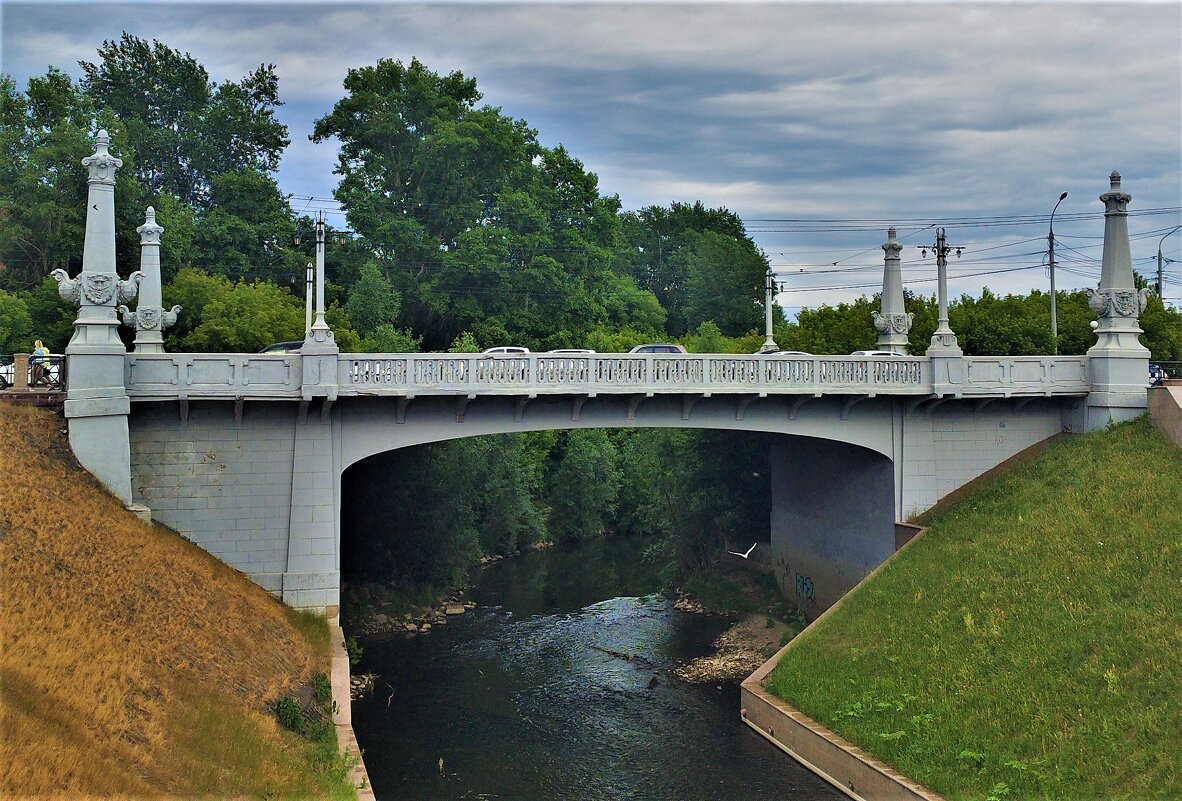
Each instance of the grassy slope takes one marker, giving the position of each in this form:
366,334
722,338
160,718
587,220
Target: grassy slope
133,664
1030,645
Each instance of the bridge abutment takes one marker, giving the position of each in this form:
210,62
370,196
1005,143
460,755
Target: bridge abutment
312,577
833,517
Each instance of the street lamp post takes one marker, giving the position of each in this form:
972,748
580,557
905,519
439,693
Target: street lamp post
1051,263
1161,276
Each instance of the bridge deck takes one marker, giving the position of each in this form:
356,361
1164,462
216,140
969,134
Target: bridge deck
197,376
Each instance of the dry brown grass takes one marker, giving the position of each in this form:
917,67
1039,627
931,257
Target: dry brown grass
121,645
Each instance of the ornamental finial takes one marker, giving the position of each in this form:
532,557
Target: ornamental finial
150,231
1114,180
102,164
891,233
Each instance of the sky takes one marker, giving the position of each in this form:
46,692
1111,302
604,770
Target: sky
819,124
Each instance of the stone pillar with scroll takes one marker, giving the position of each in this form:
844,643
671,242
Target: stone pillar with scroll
149,318
893,321
1118,362
97,404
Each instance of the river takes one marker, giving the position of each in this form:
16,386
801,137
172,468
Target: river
528,697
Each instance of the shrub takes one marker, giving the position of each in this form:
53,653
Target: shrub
290,715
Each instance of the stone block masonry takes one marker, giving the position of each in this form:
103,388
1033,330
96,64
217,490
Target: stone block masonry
245,491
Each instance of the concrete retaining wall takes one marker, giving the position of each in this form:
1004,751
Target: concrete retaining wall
343,714
833,758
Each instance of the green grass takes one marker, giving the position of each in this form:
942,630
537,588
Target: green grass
218,751
313,627
1030,645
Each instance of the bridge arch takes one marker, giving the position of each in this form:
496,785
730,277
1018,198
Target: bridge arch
368,426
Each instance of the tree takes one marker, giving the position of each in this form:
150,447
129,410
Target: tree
247,230
372,300
477,226
506,499
184,128
16,325
699,263
387,339
584,486
725,282
44,135
52,318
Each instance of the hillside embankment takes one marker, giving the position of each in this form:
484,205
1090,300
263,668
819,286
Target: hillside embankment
132,663
1030,644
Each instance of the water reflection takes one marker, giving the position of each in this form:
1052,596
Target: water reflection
555,687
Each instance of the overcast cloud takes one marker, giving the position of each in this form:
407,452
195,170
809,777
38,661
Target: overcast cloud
825,111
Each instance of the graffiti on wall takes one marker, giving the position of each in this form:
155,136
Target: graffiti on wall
804,588
804,584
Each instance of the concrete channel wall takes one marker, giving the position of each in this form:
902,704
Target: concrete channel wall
833,758
342,715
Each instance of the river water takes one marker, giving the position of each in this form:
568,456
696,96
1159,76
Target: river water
530,697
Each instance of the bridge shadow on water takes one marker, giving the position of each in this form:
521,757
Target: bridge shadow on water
557,687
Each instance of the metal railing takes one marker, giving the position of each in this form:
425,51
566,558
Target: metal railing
23,372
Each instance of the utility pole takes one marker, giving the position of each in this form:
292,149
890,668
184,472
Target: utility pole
1161,276
769,294
309,277
1051,263
943,340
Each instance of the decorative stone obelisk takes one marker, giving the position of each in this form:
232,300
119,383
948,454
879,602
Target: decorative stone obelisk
149,318
893,321
97,404
1118,362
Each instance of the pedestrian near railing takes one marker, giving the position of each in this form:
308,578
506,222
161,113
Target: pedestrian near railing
24,372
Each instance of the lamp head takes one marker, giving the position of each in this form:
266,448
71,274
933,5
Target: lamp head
1063,196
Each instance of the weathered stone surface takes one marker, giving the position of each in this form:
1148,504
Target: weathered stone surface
455,609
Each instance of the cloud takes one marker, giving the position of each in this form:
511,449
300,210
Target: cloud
881,111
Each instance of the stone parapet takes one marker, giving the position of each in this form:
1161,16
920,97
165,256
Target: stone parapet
1165,409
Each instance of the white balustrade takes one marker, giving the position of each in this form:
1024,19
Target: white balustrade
277,376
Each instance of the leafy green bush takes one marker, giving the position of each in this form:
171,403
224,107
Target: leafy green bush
291,716
321,688
354,650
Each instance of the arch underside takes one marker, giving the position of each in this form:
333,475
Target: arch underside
368,426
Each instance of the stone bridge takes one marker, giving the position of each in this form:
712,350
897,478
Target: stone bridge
245,454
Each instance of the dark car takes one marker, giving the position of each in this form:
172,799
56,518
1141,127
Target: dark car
661,347
284,347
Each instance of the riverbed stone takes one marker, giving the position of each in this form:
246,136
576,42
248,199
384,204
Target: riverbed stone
455,609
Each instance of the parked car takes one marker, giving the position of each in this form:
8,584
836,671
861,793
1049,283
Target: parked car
781,353
875,353
661,347
506,349
572,351
284,347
